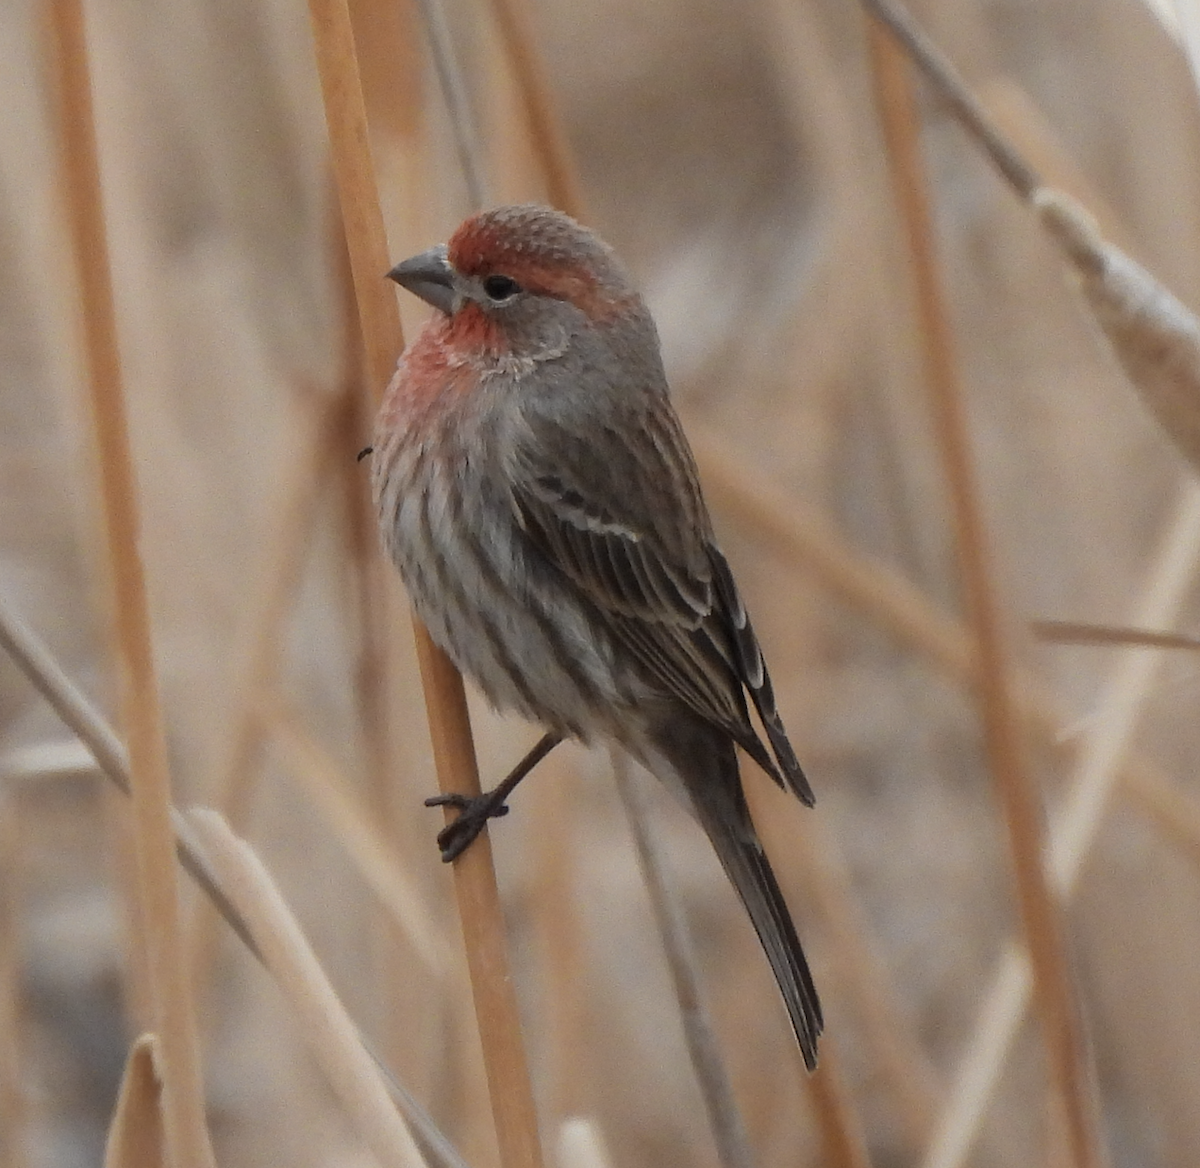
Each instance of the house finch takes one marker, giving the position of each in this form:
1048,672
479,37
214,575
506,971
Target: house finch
536,491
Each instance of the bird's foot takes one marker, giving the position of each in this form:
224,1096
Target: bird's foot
473,814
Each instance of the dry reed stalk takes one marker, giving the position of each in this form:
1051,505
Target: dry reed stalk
1060,632
458,104
1154,337
35,661
549,139
12,1094
304,468
183,1091
704,1049
46,760
842,1140
1018,120
1041,917
354,826
1073,831
324,1023
135,1136
482,919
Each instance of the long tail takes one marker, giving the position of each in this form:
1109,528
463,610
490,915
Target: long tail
704,761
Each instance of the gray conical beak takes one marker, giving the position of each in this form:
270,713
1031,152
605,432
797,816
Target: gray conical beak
429,276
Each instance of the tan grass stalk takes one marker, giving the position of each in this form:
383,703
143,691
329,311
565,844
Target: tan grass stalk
454,93
324,1023
323,784
1073,832
1041,917
12,1094
47,760
1153,335
843,1142
183,1091
546,132
298,480
35,661
135,1136
1060,632
704,1049
302,472
482,918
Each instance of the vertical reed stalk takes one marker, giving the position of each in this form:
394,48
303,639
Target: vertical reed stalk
733,1148
844,1145
183,1092
450,730
1040,913
546,131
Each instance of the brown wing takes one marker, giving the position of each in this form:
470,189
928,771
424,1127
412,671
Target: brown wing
645,559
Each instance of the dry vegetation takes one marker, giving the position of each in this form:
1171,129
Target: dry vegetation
734,155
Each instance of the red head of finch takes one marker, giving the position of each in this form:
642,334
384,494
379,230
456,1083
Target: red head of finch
539,498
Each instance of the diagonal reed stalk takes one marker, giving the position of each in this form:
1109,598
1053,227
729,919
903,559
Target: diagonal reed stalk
326,1026
513,1110
1040,914
43,671
185,1129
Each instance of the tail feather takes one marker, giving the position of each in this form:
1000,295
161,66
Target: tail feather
705,762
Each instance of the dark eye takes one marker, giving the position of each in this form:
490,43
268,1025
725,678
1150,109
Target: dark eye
500,288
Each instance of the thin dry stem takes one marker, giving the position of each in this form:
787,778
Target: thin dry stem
303,470
1062,632
704,1049
546,132
454,93
507,1071
843,1142
963,104
43,671
184,1120
324,1023
1154,336
352,824
1071,836
135,1136
1041,918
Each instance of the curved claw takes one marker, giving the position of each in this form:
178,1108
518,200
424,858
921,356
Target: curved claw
456,837
453,799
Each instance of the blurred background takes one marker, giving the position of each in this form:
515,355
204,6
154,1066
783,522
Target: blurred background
732,156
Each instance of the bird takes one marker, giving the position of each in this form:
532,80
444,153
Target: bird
536,491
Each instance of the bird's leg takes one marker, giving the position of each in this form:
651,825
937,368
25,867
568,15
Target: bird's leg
475,810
